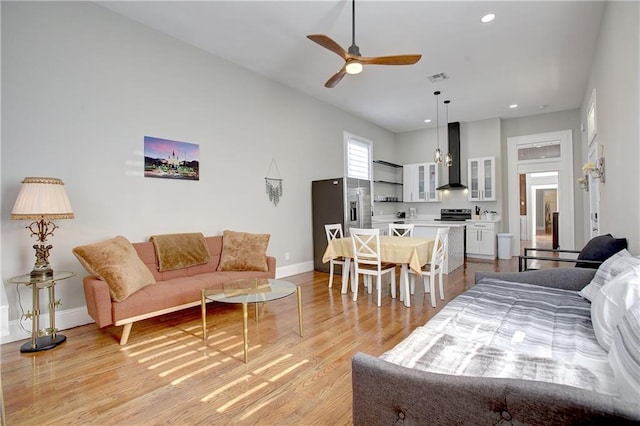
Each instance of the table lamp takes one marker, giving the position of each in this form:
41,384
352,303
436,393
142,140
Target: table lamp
41,199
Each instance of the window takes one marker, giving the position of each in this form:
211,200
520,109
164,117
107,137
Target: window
539,151
357,157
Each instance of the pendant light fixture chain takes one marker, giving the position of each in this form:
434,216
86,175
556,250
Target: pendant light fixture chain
448,159
353,22
437,155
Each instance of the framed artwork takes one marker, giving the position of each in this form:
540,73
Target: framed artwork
169,159
592,119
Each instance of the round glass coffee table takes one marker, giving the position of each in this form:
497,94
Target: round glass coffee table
252,290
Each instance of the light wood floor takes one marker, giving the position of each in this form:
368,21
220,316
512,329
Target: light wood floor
167,374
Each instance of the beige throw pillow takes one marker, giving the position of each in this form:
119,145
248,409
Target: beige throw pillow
116,262
242,251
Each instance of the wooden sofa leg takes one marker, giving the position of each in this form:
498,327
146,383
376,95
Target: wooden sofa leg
125,333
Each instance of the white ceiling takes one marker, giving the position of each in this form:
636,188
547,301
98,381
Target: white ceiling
534,53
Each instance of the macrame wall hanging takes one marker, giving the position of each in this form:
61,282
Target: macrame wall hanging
273,184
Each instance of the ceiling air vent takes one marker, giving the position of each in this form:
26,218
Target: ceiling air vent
437,77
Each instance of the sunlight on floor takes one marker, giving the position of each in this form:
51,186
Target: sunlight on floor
182,355
195,372
225,387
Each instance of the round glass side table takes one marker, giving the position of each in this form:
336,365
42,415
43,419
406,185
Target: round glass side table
42,340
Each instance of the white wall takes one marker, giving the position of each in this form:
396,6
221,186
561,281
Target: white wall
82,86
615,75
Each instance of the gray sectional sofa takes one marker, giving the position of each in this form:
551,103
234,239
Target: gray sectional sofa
517,348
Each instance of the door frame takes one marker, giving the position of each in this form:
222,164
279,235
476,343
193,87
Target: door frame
533,231
564,167
594,194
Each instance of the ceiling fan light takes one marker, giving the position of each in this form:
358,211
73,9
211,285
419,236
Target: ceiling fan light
354,67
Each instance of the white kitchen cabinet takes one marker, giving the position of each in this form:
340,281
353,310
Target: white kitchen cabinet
420,182
481,240
481,174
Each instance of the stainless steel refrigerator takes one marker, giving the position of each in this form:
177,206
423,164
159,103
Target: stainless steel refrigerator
346,201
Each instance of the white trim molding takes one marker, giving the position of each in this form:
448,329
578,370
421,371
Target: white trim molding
563,165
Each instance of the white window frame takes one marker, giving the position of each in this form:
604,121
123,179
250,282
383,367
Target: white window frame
348,139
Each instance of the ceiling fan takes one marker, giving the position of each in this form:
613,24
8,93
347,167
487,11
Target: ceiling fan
353,60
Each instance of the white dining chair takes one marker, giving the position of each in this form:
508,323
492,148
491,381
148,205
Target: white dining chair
434,267
401,229
367,262
334,231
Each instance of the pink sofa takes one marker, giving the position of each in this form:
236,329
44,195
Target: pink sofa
173,290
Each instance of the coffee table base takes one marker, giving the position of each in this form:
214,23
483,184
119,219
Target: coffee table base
245,320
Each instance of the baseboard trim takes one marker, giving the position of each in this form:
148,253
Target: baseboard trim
65,319
4,320
297,268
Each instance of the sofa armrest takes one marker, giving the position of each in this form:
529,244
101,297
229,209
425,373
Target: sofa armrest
563,278
98,298
386,393
271,265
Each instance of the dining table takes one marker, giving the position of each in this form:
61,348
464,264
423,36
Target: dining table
411,253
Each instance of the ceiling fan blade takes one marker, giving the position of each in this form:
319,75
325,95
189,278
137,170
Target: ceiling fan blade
391,60
328,43
336,78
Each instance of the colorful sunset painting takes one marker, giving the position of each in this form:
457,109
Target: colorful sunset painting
168,159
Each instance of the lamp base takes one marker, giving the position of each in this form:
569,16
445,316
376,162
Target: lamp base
41,274
43,343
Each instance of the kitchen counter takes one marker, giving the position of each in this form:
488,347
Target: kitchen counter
495,219
435,223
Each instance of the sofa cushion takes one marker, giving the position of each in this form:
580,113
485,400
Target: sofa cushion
612,302
116,262
610,268
243,251
600,248
624,356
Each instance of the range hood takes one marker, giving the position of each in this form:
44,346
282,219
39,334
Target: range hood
454,150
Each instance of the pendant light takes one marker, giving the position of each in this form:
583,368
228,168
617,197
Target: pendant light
448,159
437,155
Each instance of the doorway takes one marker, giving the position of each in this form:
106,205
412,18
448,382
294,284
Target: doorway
547,156
543,203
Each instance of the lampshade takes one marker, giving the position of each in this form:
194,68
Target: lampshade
42,197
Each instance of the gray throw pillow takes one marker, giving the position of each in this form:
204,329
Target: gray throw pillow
600,248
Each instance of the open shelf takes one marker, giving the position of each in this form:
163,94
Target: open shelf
389,182
386,163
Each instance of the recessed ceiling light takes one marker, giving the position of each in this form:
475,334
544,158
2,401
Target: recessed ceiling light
513,106
488,18
543,106
428,120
